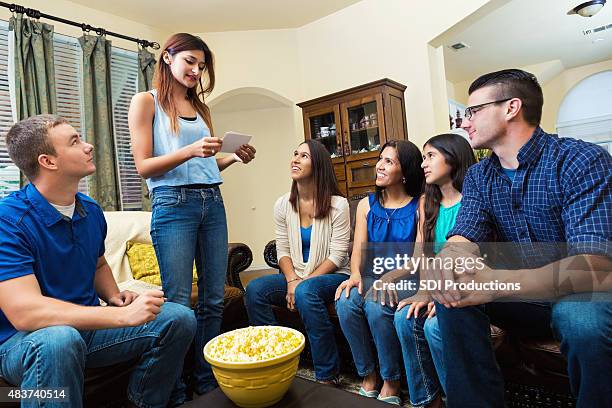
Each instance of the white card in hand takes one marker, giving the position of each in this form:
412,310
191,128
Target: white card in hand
233,140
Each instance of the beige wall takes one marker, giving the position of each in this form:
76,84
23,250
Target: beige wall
249,191
460,91
450,91
81,14
266,59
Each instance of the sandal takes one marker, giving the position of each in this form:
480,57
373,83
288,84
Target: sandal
393,399
334,382
369,394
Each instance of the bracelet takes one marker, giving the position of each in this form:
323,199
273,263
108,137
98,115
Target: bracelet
294,279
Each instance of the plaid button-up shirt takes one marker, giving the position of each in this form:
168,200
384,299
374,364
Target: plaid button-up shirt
561,193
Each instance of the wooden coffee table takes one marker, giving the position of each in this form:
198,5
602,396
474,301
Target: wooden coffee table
301,394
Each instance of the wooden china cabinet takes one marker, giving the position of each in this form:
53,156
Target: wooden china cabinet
353,124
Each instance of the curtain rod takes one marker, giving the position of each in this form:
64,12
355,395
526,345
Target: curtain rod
15,8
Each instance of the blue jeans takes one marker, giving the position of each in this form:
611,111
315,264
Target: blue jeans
434,340
365,322
583,327
187,225
421,344
311,299
57,356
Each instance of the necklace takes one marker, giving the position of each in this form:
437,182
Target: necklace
389,215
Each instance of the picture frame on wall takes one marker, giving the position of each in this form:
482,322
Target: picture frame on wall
456,114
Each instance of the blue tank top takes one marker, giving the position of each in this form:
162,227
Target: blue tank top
305,235
391,225
194,171
391,233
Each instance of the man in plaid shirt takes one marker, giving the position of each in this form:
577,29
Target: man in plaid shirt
552,197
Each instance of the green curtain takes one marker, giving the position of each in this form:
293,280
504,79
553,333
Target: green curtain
34,69
98,115
146,66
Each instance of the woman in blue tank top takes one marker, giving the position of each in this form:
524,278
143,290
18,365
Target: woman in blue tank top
446,159
174,147
385,226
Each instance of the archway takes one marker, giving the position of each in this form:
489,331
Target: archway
250,191
248,98
586,111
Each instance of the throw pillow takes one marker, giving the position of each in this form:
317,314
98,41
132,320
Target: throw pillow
143,262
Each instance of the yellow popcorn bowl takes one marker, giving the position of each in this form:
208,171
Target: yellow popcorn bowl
254,384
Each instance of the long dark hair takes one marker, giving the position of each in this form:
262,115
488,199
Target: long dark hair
410,162
163,79
458,154
323,178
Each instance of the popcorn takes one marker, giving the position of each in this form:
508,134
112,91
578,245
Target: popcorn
255,343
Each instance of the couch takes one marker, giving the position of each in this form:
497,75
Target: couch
107,386
534,369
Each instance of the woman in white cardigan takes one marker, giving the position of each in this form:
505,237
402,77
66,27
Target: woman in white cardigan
312,239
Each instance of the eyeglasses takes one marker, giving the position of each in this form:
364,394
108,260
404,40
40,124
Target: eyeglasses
471,110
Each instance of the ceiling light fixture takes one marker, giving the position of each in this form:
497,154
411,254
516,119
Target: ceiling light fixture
588,9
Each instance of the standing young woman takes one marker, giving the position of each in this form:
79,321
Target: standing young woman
174,148
446,159
312,239
387,217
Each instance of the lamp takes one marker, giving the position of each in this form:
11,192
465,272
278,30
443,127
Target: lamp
588,9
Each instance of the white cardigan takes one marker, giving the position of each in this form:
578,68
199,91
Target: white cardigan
329,240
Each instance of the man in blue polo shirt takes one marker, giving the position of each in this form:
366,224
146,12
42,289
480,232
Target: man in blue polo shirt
53,273
551,198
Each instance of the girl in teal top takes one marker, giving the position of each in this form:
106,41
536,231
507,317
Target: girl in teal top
446,159
444,223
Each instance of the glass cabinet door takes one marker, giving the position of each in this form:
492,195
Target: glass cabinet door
324,126
363,124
